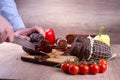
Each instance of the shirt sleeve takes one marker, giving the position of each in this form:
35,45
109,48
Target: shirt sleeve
8,10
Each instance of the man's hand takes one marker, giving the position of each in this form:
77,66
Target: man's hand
6,30
23,33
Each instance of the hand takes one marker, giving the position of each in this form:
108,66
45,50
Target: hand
6,31
23,33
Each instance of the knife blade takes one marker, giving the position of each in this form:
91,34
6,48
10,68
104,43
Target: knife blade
27,44
24,43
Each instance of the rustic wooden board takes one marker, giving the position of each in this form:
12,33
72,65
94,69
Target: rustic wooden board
55,57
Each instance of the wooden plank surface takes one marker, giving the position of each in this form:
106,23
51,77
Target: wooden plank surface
68,16
12,67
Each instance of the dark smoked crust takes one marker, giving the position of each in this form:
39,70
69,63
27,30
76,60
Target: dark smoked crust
70,37
41,45
35,37
81,48
61,44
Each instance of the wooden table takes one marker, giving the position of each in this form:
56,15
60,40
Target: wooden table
12,67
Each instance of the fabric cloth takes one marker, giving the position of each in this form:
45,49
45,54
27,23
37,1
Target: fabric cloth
9,11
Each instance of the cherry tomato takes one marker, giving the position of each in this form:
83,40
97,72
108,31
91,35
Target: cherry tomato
73,69
94,68
65,66
83,69
103,61
50,36
103,67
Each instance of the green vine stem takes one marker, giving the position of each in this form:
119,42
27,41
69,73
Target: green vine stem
101,30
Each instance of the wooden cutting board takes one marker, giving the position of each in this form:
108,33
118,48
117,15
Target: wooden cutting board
52,59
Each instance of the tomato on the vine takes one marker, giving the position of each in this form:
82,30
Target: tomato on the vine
50,35
94,68
73,69
103,61
64,67
103,67
83,69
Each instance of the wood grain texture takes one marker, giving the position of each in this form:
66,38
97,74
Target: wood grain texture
55,58
12,67
65,16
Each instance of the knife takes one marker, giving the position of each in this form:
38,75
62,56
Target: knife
27,44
